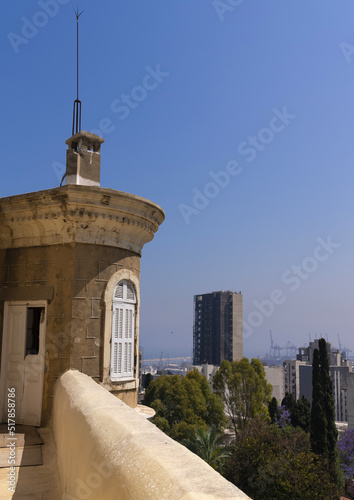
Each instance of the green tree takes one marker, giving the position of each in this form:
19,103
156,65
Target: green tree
289,401
183,404
345,447
214,415
208,445
301,414
244,390
300,411
323,428
328,403
148,380
273,410
269,463
318,417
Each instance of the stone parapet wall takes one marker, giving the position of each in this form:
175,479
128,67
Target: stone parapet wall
107,451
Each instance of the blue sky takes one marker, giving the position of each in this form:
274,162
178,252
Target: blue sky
263,91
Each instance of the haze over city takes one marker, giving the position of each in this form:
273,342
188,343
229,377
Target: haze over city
238,120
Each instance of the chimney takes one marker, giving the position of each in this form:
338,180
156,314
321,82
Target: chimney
83,159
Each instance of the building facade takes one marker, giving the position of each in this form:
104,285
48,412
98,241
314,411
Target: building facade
217,331
292,376
275,375
298,377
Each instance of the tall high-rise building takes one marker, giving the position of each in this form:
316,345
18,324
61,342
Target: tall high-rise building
217,332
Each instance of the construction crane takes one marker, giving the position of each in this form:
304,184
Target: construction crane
161,361
271,343
276,351
291,350
343,349
274,348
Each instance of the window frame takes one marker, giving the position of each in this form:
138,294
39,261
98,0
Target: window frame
122,366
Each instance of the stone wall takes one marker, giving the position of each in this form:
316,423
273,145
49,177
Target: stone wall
73,279
107,451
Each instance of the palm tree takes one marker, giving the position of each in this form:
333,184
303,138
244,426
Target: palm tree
208,445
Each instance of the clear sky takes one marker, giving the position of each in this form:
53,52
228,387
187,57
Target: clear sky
236,117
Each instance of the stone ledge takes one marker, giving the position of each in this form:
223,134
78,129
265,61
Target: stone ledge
105,449
78,214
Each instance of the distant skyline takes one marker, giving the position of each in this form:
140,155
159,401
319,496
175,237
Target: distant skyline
237,118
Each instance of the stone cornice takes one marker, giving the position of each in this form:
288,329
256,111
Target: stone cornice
78,214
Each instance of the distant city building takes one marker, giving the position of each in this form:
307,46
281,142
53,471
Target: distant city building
208,371
292,376
217,332
350,401
335,357
298,378
275,375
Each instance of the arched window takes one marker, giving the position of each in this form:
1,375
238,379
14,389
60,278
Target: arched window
123,328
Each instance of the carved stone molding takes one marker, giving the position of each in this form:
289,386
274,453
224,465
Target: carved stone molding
78,214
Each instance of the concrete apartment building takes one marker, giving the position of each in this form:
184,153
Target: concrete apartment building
292,376
275,375
298,379
340,377
218,330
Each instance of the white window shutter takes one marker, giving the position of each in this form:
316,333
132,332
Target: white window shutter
125,291
119,291
130,291
122,357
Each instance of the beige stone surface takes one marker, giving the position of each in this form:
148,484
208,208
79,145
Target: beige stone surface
105,449
78,214
67,246
78,327
38,482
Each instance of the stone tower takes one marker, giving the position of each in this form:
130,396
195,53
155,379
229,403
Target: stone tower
69,284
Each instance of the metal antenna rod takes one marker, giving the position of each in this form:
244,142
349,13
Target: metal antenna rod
77,102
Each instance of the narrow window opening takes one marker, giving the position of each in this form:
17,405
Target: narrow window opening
35,316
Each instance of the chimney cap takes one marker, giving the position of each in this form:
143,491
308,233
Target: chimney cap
86,137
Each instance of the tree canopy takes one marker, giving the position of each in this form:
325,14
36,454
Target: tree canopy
208,445
273,410
318,417
345,448
300,411
183,404
270,463
244,390
323,428
328,402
